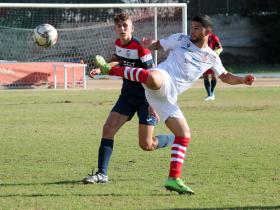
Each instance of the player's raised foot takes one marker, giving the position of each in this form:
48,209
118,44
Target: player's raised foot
178,186
102,64
95,178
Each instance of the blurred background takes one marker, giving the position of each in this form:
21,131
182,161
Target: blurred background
249,31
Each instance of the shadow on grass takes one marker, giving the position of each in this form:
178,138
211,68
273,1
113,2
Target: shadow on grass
62,195
231,208
46,183
70,182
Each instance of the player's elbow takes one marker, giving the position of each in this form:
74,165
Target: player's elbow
225,77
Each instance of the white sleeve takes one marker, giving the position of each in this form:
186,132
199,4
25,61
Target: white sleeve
171,42
218,66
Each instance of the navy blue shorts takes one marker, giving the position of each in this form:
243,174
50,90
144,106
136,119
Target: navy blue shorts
129,105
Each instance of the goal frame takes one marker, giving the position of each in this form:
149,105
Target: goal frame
115,5
153,6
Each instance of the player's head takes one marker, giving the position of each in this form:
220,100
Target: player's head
123,26
201,26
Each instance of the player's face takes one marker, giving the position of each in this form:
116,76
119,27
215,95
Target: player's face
124,30
198,32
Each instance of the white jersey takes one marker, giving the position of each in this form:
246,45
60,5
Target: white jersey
186,62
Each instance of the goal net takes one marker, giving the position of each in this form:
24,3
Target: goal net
84,31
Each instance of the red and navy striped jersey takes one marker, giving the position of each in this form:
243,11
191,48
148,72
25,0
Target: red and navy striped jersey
133,55
214,42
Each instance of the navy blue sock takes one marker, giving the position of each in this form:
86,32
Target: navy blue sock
105,152
213,85
165,140
207,86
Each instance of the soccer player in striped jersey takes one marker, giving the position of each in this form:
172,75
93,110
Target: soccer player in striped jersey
215,44
189,57
128,53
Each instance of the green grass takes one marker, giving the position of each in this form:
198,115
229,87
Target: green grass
49,142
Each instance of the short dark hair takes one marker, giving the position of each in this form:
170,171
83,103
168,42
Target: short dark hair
121,17
205,20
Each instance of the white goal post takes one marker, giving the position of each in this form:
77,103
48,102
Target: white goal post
84,30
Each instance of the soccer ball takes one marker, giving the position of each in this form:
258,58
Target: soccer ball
45,35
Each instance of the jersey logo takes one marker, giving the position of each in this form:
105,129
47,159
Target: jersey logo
187,48
186,61
205,58
127,63
128,53
181,37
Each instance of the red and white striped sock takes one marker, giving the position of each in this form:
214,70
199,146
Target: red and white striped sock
178,152
133,74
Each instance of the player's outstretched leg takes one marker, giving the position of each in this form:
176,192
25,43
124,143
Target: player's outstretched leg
133,74
102,64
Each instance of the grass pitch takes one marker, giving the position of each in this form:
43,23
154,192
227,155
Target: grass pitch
50,139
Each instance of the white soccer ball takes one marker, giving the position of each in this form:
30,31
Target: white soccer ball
45,35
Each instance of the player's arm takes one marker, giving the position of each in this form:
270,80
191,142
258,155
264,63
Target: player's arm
114,61
146,57
168,43
232,79
151,44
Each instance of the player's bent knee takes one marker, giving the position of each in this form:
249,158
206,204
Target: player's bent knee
109,130
147,146
154,80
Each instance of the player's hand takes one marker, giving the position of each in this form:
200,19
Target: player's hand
153,112
146,42
94,72
249,79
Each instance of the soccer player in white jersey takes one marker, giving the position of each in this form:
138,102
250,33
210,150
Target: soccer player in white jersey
189,57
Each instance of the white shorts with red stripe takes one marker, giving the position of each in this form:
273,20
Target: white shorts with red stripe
164,100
